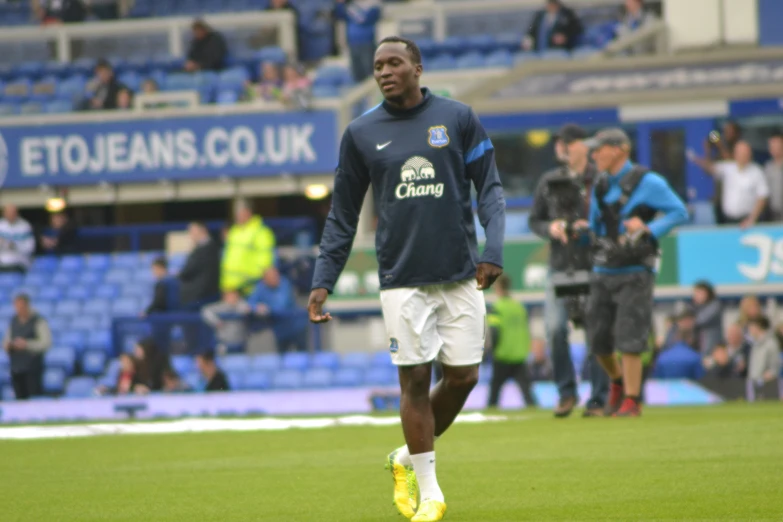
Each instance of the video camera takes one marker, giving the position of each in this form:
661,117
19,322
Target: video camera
573,283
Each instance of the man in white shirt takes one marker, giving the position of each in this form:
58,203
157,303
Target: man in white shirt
774,172
745,189
17,242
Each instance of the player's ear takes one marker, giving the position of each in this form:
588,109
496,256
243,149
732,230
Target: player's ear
419,70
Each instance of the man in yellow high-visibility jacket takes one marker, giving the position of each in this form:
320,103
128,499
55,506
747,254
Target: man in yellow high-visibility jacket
249,251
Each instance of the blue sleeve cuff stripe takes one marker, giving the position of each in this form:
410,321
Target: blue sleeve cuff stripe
478,151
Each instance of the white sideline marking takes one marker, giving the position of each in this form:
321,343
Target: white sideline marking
209,425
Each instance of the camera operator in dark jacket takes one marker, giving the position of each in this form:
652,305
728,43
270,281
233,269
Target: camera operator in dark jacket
545,223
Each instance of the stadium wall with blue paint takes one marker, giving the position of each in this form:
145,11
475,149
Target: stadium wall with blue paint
173,148
731,256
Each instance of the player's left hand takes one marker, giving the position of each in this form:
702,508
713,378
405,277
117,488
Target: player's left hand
634,225
486,273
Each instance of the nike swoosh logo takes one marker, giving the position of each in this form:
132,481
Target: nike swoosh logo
383,146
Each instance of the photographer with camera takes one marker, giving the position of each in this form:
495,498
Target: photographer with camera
626,200
561,202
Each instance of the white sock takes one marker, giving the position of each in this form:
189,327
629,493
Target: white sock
424,466
404,456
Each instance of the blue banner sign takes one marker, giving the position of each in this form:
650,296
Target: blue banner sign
697,75
260,144
731,256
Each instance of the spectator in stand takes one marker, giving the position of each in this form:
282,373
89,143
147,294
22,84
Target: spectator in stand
361,17
764,364
744,185
17,242
686,329
709,317
719,146
149,86
249,251
61,236
774,172
270,85
539,364
555,27
199,279
125,378
229,319
166,294
738,349
213,376
105,87
26,340
635,17
172,383
124,99
151,364
296,87
52,12
749,309
719,365
208,50
270,36
273,299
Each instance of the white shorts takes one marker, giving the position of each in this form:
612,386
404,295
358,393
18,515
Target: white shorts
446,322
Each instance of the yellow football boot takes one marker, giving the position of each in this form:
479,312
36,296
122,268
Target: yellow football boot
430,511
406,488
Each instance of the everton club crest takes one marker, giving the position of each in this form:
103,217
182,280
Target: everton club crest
438,136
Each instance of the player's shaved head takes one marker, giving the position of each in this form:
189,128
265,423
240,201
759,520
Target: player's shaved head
409,45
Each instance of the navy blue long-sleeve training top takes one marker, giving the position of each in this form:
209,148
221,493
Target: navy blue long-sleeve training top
421,163
654,192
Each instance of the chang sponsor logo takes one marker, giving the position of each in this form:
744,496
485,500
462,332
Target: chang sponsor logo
415,173
181,149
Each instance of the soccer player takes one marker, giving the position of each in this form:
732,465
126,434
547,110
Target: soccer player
421,153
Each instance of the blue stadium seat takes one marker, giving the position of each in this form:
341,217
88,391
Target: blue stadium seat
74,338
31,108
59,69
83,66
234,363
233,78
44,90
329,360
85,323
131,80
380,377
53,380
227,97
10,280
381,360
442,62
109,377
235,380
256,380
348,377
454,45
99,341
59,107
501,58
5,363
317,378
80,387
325,91
118,275
98,261
295,361
44,265
287,380
523,57
193,380
265,362
71,263
50,293
107,291
58,324
584,52
63,279
126,306
180,82
357,360
483,43
61,357
272,54
68,307
94,362
7,393
92,278
44,308
8,109
78,291
428,47
182,364
125,260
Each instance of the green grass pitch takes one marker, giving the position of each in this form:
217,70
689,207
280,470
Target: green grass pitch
709,463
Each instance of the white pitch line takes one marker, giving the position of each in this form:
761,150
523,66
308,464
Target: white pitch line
212,425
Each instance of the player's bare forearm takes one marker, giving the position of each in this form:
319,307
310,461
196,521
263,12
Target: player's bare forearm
315,306
486,274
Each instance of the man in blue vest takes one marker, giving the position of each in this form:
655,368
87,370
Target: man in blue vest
632,208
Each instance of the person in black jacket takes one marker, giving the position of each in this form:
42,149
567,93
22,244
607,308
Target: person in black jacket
200,277
213,376
61,237
106,87
166,295
556,27
208,49
573,153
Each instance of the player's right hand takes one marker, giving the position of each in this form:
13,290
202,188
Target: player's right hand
557,231
315,306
